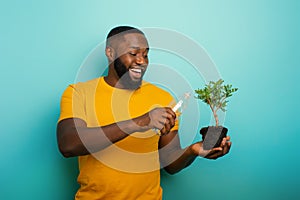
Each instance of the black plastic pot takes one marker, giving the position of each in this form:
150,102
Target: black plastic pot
212,136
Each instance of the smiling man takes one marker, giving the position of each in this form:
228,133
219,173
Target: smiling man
128,53
109,124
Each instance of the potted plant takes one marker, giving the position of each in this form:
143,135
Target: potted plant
214,94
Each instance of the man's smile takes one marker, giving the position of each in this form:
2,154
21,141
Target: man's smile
135,73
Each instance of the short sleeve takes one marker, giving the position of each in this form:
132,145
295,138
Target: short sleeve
72,104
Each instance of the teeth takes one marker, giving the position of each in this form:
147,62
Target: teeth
136,70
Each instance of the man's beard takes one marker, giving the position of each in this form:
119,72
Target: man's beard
124,78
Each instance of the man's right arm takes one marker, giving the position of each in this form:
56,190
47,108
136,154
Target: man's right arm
76,139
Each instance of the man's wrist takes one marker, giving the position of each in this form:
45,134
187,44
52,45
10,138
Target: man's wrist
194,149
141,123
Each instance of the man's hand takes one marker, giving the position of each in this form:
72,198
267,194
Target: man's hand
162,119
214,153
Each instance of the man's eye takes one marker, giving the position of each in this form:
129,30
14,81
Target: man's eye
133,54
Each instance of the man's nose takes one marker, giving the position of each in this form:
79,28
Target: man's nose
141,60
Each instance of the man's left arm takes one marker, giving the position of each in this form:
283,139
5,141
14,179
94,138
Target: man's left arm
173,158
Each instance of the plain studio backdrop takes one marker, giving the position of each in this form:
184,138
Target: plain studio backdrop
254,45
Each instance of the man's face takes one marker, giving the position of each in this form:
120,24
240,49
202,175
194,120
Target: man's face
130,78
132,60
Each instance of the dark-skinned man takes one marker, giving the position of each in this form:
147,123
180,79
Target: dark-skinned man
110,124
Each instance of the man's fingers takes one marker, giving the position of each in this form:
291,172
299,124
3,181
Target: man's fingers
169,114
226,147
167,127
163,119
215,154
219,151
170,111
224,141
169,120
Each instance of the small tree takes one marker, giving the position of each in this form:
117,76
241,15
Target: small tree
215,94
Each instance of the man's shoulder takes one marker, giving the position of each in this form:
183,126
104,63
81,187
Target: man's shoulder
86,84
89,83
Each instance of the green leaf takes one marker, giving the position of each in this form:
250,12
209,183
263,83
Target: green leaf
216,94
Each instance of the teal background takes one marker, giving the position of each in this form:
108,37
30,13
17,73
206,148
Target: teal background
254,44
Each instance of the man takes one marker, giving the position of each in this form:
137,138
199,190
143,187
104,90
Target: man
110,123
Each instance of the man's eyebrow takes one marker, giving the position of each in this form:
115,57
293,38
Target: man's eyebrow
138,48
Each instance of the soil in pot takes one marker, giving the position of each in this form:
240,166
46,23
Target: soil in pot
212,136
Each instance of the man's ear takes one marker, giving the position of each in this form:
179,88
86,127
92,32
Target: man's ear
110,54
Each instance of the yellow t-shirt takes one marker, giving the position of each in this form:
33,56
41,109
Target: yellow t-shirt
130,168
